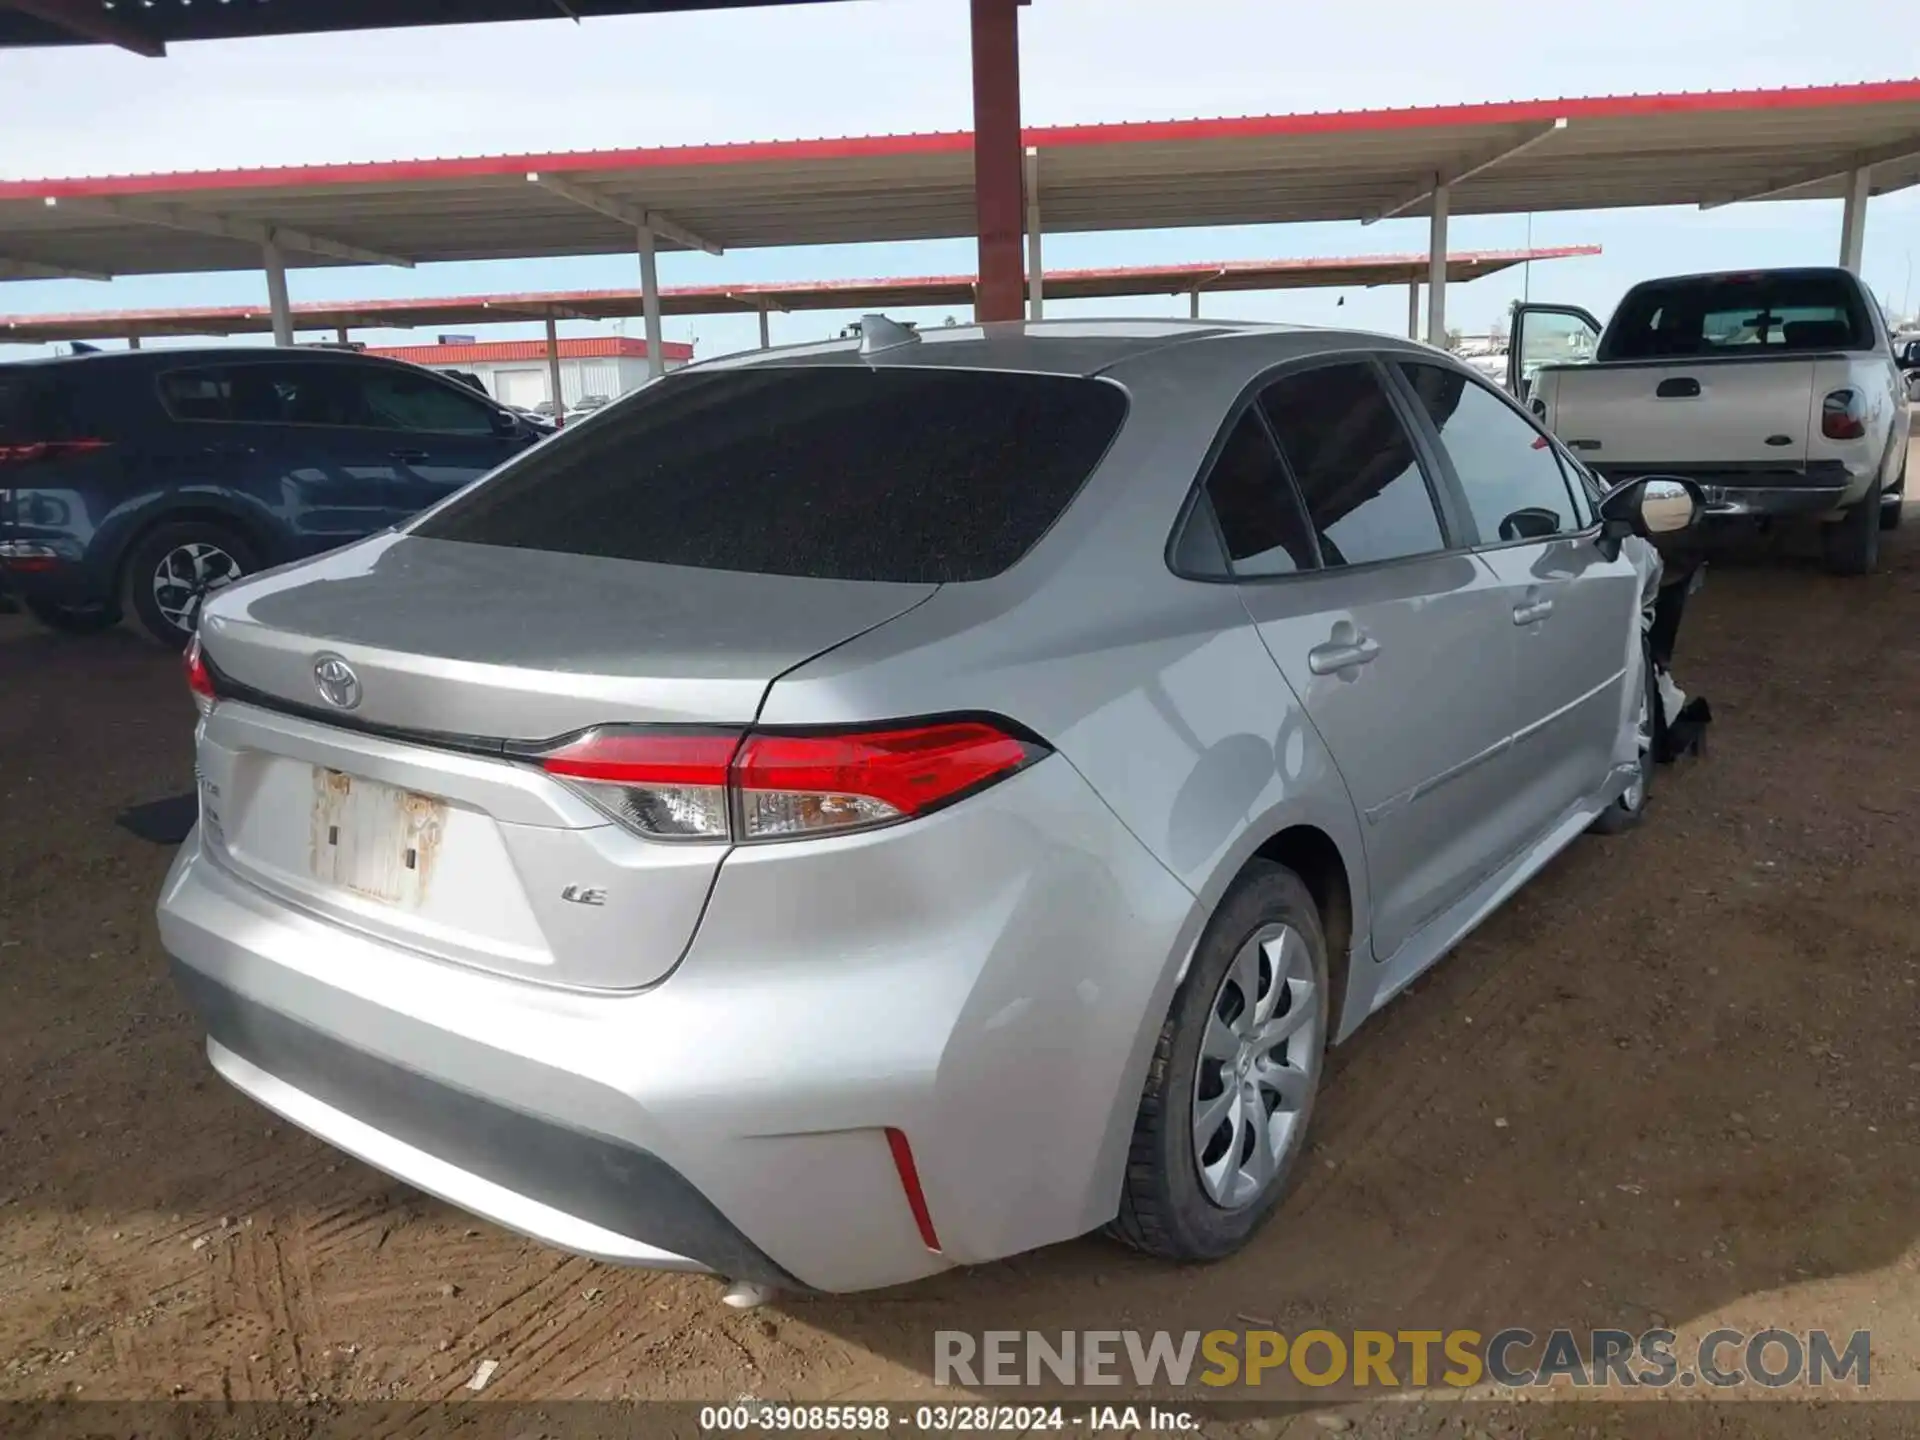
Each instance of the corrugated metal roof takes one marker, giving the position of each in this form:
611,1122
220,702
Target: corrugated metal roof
889,293
596,347
1510,157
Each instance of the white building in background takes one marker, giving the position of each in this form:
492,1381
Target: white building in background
515,371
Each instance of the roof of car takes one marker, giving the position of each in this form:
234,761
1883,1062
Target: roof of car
1060,347
176,354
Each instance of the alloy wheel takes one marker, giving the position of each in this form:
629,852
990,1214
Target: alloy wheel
185,576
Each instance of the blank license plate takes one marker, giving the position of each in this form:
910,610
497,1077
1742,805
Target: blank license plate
373,839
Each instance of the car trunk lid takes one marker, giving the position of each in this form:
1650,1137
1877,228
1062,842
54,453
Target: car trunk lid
401,813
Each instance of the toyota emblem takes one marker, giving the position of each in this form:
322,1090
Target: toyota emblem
337,683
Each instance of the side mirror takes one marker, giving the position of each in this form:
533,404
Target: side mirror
505,425
1649,506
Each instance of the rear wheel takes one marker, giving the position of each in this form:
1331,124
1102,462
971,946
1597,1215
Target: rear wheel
1232,1083
75,619
1852,542
172,569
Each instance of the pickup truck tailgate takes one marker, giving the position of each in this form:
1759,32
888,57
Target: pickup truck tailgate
1719,412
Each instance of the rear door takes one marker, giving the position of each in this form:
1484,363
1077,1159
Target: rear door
442,436
1573,614
1399,644
280,434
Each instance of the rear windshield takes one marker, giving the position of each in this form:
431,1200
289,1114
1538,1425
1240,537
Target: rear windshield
921,476
1738,315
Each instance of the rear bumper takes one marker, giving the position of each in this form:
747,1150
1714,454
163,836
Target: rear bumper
1816,489
1773,501
992,994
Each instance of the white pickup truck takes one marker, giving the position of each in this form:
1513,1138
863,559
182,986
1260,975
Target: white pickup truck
1779,392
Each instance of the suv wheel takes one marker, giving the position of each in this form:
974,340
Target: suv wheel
172,569
1232,1083
74,619
1852,542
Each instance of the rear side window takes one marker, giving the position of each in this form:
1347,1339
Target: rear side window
1253,501
1365,493
1739,315
279,393
915,475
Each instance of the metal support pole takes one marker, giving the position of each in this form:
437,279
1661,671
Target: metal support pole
1413,311
766,335
650,304
1193,303
553,371
997,158
277,302
1853,219
1437,270
133,342
340,334
1036,272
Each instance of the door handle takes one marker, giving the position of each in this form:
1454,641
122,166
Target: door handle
228,447
412,456
1679,387
1531,611
1335,656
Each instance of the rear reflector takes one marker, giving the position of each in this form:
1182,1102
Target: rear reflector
910,1183
784,784
1843,415
199,677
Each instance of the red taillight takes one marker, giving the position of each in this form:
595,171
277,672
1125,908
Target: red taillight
802,784
28,557
199,677
22,453
1843,415
782,784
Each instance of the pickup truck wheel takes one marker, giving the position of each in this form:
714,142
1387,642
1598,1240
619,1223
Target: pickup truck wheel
1852,542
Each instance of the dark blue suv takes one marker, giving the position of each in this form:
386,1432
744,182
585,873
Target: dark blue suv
137,481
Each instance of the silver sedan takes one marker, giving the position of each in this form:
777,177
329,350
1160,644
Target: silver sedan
848,811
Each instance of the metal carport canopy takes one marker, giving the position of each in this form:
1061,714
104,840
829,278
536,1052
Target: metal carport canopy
1697,149
889,293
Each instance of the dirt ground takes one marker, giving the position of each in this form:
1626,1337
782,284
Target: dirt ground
1677,1079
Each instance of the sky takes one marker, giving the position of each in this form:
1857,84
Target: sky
877,66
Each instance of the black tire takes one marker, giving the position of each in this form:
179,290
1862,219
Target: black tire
75,619
1852,543
1631,807
162,546
1164,1209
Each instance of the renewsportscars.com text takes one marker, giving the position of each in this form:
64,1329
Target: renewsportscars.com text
1393,1359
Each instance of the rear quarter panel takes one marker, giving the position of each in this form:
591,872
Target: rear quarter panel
1155,690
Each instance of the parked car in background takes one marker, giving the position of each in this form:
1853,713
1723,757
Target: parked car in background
586,404
846,813
1779,391
140,481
